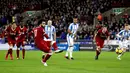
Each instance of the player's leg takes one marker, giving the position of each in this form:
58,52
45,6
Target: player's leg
123,46
43,55
44,47
71,48
68,49
46,57
67,53
98,51
23,49
121,53
54,45
100,44
10,51
118,49
18,49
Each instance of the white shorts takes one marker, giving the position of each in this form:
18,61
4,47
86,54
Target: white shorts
70,40
123,44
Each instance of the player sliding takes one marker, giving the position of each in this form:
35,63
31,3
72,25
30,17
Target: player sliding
40,43
71,36
51,32
124,36
21,38
11,37
99,38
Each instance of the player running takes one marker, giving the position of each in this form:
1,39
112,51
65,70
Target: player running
71,36
124,36
51,32
99,38
21,38
41,44
11,37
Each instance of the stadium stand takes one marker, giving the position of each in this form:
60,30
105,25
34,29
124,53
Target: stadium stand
62,12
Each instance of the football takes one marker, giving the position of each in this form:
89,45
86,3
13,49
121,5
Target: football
118,50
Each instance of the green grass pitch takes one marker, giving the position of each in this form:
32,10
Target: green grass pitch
84,63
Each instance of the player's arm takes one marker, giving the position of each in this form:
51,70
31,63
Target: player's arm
6,30
54,34
108,36
30,33
95,34
44,34
119,35
129,35
69,29
76,31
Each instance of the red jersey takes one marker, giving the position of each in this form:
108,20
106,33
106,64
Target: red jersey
98,27
101,35
11,33
21,33
39,33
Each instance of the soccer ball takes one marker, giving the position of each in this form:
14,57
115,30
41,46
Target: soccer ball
119,50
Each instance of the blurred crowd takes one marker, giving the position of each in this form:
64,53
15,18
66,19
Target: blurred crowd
61,13
10,8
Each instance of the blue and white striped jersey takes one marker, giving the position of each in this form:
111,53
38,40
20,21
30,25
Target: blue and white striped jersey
124,34
73,28
50,32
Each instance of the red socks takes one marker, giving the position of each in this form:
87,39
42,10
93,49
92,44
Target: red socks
17,52
46,57
23,53
97,52
55,46
10,51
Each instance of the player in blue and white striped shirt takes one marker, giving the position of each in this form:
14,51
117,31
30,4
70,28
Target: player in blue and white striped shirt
72,30
124,36
51,32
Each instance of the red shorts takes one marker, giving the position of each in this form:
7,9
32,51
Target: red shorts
43,46
20,42
11,41
48,43
100,42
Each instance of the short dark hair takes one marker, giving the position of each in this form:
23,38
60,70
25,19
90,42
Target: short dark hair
13,22
75,16
40,21
126,24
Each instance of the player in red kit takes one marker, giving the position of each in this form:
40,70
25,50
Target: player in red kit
99,38
11,37
21,38
41,44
